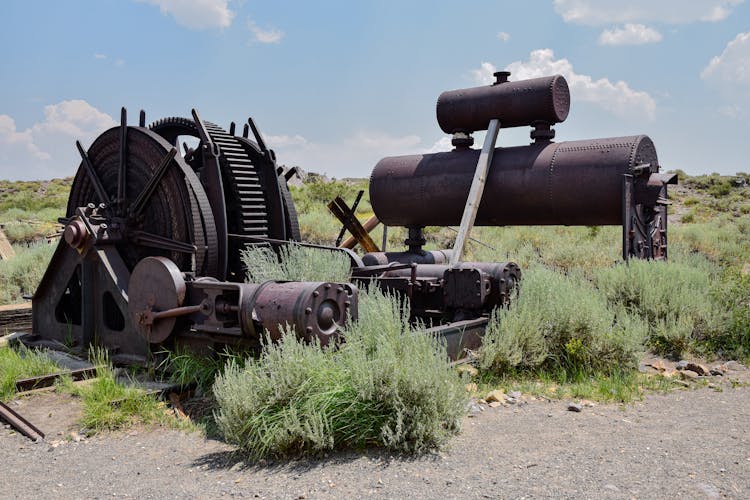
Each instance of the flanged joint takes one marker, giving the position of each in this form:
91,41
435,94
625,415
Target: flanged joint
75,233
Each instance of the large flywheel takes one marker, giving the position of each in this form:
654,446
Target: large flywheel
150,200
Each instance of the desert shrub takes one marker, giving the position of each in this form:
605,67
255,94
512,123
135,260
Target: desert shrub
22,363
388,385
732,294
559,322
561,248
295,263
20,275
671,297
319,226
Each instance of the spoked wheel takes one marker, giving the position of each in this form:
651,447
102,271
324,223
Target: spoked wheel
151,201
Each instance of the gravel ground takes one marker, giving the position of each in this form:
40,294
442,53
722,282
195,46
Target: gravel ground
692,443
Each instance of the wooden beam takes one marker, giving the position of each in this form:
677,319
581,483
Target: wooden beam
341,210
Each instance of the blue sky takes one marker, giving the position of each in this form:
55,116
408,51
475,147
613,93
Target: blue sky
336,85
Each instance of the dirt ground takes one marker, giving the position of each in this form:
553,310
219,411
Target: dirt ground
690,442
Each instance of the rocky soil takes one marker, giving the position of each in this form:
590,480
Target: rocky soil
694,441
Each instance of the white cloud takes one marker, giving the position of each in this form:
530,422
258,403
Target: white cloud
615,97
100,56
353,156
281,141
732,66
196,14
47,148
630,34
271,35
603,12
503,36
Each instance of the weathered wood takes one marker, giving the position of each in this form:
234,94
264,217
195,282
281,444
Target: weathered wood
341,210
6,250
368,226
15,317
475,192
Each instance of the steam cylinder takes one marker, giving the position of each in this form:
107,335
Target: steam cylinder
568,183
514,104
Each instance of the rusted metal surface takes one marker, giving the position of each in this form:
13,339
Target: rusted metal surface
567,183
514,104
19,423
460,336
153,236
316,310
155,285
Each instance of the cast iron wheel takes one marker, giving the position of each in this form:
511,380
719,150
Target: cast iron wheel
154,203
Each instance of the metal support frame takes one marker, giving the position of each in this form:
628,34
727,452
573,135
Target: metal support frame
475,193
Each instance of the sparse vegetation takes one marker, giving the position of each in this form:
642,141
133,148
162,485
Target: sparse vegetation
21,363
108,404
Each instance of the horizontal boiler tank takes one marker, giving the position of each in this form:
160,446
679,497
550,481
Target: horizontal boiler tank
576,183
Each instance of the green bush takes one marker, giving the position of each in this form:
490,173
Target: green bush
671,297
388,385
295,263
561,322
20,275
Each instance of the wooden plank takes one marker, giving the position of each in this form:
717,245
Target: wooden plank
15,317
6,249
475,193
368,226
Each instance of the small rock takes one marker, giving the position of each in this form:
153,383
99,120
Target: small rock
474,410
699,369
576,407
586,402
515,394
468,369
75,437
237,466
494,404
496,395
688,375
735,366
681,382
681,365
472,388
510,399
717,371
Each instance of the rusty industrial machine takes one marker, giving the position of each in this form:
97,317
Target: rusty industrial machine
150,254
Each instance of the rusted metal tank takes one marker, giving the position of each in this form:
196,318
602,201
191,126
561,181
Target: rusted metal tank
515,104
545,183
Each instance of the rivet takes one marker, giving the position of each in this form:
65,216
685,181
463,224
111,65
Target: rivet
316,293
308,310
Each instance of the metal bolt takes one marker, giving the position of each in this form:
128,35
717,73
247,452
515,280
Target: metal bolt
316,293
308,310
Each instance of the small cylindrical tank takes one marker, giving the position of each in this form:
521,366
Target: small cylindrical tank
514,104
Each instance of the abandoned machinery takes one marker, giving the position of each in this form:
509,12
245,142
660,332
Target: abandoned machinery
150,254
